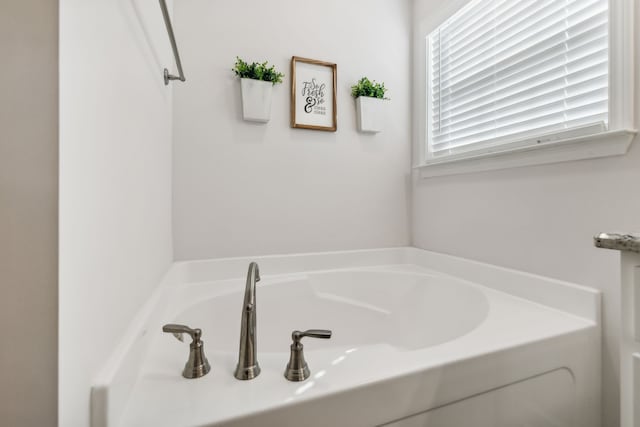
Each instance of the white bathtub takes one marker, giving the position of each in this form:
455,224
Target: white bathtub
412,345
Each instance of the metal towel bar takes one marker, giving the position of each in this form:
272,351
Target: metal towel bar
172,39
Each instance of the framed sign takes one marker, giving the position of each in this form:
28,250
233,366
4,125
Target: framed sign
313,94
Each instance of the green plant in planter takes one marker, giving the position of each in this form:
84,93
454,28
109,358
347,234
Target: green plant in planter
366,87
257,71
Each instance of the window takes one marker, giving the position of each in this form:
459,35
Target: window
512,74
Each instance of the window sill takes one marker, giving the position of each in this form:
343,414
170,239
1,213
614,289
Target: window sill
605,144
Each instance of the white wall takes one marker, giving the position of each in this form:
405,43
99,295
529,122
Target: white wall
28,212
242,188
538,219
115,181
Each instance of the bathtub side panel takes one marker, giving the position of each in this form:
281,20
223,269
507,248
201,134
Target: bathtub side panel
546,400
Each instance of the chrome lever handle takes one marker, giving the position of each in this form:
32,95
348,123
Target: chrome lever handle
179,330
313,333
297,368
197,365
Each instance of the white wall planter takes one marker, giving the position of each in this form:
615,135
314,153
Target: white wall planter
370,113
256,100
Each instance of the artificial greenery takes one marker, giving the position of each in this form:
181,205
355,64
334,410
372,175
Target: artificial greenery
366,87
257,71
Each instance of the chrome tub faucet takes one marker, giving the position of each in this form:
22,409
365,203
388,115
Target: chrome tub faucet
248,367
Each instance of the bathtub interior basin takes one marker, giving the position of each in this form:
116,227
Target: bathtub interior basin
403,310
412,330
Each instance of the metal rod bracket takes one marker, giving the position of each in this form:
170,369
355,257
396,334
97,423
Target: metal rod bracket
167,22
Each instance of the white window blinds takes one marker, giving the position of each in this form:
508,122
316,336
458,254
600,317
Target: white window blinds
514,71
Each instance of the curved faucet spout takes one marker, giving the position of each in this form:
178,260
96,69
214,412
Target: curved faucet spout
253,276
248,367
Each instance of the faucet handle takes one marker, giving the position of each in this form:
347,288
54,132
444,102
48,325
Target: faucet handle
178,331
297,368
197,365
296,336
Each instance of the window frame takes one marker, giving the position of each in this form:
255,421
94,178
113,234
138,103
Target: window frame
554,147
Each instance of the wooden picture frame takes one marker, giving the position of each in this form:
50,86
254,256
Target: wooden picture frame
313,94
